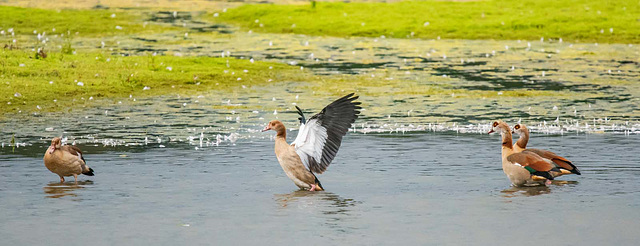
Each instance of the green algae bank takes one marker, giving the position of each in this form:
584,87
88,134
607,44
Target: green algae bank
573,20
167,103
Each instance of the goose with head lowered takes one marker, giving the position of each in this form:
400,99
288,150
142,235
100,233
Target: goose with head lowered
317,143
563,164
65,160
522,169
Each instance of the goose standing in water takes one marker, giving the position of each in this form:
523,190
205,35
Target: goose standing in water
522,169
65,161
565,166
317,142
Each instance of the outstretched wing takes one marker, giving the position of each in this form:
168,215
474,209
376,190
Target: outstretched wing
319,139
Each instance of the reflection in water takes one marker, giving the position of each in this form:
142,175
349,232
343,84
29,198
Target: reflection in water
534,190
58,190
329,203
334,210
563,182
526,191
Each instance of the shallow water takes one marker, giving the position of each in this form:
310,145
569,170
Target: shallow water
381,189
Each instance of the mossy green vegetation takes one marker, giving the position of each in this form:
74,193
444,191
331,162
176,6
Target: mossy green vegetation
87,23
571,20
60,81
63,81
70,76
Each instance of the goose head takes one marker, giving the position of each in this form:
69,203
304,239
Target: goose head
56,143
500,127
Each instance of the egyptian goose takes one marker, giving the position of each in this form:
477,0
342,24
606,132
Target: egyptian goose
523,169
317,142
565,166
65,161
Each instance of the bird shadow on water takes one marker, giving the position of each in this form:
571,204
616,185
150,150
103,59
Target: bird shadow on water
327,202
534,190
59,190
332,208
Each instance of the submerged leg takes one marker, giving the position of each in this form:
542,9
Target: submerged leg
547,183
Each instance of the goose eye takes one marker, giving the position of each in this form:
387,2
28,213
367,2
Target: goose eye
495,124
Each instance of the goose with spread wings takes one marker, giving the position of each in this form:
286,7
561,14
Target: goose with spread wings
317,143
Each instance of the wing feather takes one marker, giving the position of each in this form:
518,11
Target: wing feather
74,151
558,160
530,160
320,137
538,165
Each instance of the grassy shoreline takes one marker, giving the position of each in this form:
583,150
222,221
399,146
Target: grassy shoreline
86,23
60,81
66,77
572,20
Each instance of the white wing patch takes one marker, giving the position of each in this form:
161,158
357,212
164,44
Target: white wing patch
301,136
310,141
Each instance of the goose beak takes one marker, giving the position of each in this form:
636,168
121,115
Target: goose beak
266,128
492,131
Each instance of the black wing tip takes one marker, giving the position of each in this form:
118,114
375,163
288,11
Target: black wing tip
301,118
350,97
547,175
575,170
89,173
318,181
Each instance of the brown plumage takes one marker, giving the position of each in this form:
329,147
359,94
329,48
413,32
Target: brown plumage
290,160
522,169
528,160
565,166
65,161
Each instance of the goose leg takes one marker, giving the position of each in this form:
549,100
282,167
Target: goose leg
313,187
547,183
75,177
